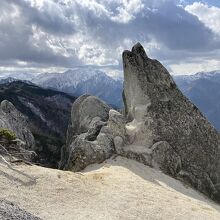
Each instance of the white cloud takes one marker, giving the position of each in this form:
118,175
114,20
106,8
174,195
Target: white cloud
209,15
185,68
127,10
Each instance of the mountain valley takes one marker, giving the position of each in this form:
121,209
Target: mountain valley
48,115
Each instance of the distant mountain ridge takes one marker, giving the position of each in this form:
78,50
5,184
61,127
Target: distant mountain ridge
18,75
76,81
79,81
184,80
11,79
203,89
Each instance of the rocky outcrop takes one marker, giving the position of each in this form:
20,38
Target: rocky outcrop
16,140
160,127
48,115
88,139
12,119
164,128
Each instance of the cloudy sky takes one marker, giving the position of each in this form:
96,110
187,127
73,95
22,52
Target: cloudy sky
52,35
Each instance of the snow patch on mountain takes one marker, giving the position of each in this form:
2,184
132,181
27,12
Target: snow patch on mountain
18,75
79,81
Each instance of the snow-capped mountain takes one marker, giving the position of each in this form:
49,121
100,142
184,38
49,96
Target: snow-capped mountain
7,80
79,81
11,79
76,82
70,78
183,81
18,75
103,86
203,89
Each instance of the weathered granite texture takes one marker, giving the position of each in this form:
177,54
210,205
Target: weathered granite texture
166,129
160,127
87,140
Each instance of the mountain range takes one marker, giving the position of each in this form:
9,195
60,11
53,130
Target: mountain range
79,81
75,82
201,88
18,75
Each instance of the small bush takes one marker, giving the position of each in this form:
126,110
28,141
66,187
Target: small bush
7,134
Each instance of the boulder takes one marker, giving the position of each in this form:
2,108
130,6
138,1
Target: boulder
87,141
164,129
84,110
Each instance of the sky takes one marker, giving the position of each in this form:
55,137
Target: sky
54,35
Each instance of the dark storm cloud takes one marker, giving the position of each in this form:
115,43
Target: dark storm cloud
170,25
17,41
51,18
55,33
177,29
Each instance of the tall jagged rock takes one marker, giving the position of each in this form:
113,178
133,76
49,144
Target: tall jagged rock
160,128
164,129
12,119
